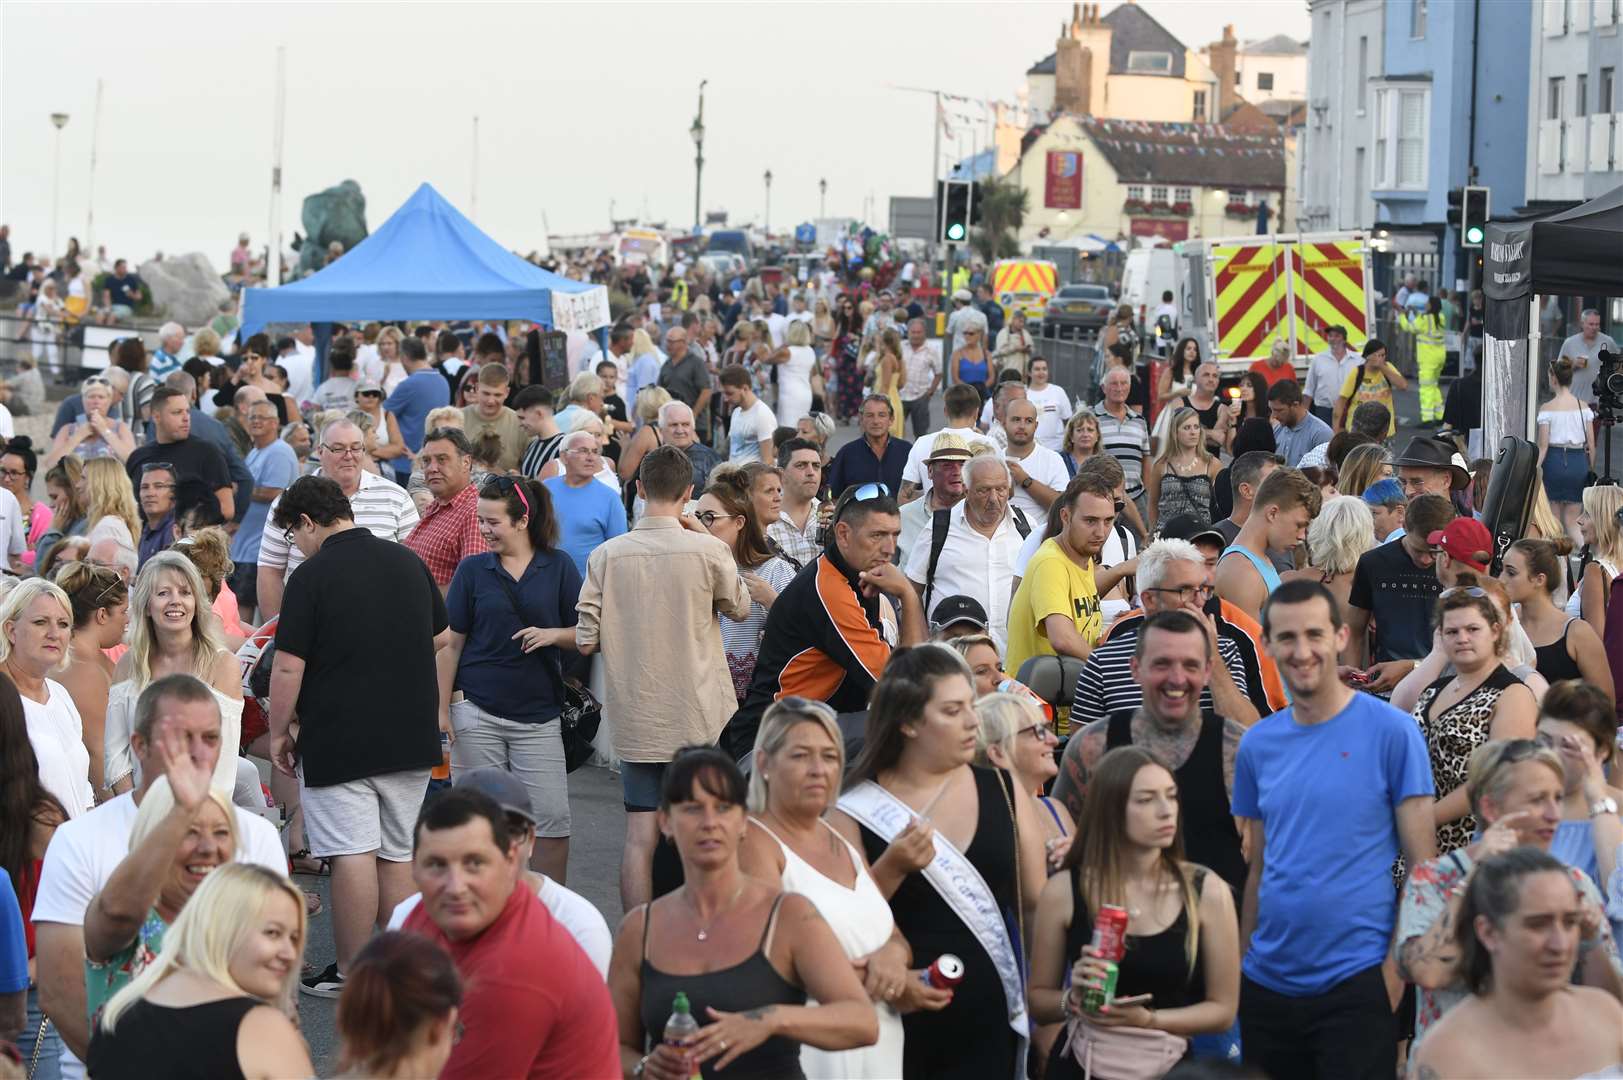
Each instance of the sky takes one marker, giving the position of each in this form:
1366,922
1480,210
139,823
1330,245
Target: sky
582,108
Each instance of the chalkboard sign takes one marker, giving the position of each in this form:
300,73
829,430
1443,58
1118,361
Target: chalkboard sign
547,356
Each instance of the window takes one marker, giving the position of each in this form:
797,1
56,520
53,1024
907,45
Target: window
1158,194
1552,99
1237,76
1159,63
1200,105
1401,121
1604,102
1237,196
1265,80
1183,195
1135,192
1363,75
1580,96
1417,19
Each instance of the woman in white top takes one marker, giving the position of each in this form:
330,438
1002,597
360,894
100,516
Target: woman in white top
172,632
794,778
1603,544
45,324
383,441
36,625
796,361
1566,444
394,372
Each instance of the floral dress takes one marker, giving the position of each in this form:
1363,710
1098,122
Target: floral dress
848,366
105,978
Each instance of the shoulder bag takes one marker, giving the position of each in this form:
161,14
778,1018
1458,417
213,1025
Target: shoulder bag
581,712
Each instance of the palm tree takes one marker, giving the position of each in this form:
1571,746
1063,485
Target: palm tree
1003,208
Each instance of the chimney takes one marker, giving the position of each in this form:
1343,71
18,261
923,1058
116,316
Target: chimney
1222,58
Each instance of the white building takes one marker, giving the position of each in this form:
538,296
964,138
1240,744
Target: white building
1274,69
1344,55
1575,106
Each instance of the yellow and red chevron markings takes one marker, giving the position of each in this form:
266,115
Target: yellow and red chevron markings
1256,285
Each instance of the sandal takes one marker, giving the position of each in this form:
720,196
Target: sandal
302,862
312,904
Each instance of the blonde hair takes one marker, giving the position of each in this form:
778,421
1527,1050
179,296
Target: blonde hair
443,416
1361,467
18,600
108,494
798,333
777,722
221,915
160,799
206,342
1340,535
1543,518
1279,349
641,342
1601,503
210,551
206,640
1003,716
1201,453
650,399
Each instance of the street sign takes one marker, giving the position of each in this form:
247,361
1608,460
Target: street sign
911,217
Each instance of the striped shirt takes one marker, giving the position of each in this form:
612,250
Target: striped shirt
1128,441
540,451
1106,685
381,507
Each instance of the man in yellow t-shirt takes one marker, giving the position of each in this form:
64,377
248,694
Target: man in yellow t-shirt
1056,609
1373,380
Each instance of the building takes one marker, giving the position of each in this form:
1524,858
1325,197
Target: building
1409,100
1575,109
1096,175
1274,69
1123,66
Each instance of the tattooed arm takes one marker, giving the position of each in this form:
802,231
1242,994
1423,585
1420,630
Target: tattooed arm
1082,753
1427,953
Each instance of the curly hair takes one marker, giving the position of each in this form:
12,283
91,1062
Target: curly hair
210,551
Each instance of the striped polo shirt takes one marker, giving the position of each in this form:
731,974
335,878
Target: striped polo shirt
1128,441
381,507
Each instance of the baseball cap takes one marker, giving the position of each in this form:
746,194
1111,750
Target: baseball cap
963,294
368,386
949,447
1466,540
1190,527
503,788
959,609
1386,492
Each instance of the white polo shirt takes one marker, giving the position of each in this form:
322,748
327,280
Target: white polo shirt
972,564
380,506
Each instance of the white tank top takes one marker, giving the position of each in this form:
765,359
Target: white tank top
1575,601
859,916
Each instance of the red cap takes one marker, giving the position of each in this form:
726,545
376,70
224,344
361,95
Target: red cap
1467,541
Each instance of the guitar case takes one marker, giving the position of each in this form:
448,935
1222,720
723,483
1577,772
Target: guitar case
1512,488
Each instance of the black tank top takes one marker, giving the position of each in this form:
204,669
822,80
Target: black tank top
197,1042
747,985
1209,835
1554,662
1158,964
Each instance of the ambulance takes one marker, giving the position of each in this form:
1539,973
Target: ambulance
1241,295
1024,285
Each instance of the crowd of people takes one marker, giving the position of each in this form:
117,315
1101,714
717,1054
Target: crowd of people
906,729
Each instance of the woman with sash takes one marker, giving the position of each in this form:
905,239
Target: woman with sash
968,869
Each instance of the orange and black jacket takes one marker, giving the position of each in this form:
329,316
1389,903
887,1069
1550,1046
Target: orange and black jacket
822,642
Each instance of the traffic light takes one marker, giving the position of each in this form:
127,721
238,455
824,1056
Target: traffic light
1474,217
954,198
1456,210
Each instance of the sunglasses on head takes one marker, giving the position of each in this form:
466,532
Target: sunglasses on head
504,484
859,493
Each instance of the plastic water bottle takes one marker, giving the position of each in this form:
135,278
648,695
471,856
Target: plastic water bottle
681,1027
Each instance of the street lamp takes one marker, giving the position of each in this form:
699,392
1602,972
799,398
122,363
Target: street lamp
768,179
697,132
60,119
822,198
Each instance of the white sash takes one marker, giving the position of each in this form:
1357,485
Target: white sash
957,881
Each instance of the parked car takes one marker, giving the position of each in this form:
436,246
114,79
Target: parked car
1079,308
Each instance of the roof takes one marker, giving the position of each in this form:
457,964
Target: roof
983,166
1278,45
1199,155
1132,29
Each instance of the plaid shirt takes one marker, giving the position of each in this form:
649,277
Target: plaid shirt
448,533
799,544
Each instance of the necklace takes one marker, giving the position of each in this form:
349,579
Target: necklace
704,929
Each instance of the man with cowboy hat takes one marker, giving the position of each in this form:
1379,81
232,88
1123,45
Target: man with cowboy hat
1431,466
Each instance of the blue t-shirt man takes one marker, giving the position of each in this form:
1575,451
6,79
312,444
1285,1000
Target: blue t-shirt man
420,393
587,516
273,466
1327,796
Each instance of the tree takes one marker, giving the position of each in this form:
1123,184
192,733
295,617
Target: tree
1003,208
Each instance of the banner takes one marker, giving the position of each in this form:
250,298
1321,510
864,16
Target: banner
1062,189
584,311
1166,228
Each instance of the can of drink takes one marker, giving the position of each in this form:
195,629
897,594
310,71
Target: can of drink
945,973
1110,933
1095,998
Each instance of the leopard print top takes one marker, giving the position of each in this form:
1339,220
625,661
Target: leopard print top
1452,736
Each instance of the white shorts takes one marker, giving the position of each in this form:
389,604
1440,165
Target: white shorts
377,814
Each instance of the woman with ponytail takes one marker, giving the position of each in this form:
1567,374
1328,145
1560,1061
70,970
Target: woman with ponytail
397,1016
1567,647
512,611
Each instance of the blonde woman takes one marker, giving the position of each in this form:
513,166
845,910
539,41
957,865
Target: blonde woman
1179,481
797,362
1603,540
1336,540
650,399
1016,737
172,632
1362,466
390,372
111,511
209,549
206,345
1082,439
93,434
217,1000
888,377
36,623
1543,525
824,328
101,611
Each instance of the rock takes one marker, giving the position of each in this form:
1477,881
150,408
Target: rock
339,213
185,288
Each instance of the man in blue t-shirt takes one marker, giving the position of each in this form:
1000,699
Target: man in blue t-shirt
274,466
1331,790
423,391
588,510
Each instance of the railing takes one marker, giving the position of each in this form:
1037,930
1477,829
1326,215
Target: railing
63,349
1071,364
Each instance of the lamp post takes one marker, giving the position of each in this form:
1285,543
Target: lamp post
60,119
697,132
822,198
768,179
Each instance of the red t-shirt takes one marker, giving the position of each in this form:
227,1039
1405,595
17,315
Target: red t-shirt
1273,374
533,1004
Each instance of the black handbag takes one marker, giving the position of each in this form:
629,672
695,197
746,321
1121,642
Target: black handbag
582,712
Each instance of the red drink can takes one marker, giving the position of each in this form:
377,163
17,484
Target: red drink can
945,973
1110,933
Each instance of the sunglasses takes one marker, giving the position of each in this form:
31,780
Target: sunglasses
504,484
1473,591
859,493
159,466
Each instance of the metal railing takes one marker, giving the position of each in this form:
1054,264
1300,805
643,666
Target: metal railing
1071,364
64,349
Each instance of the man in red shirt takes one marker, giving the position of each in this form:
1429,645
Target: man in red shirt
533,1004
448,531
1277,367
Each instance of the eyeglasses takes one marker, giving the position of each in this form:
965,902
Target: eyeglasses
355,450
1038,731
1185,593
15,474
859,493
708,518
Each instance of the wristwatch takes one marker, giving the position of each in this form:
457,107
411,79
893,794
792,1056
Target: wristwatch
1026,483
1603,805
641,1066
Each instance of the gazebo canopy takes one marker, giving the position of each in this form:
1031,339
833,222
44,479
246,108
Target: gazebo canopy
428,261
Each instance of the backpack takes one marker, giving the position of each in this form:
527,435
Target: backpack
940,524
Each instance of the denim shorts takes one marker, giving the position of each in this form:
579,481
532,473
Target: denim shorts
641,782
